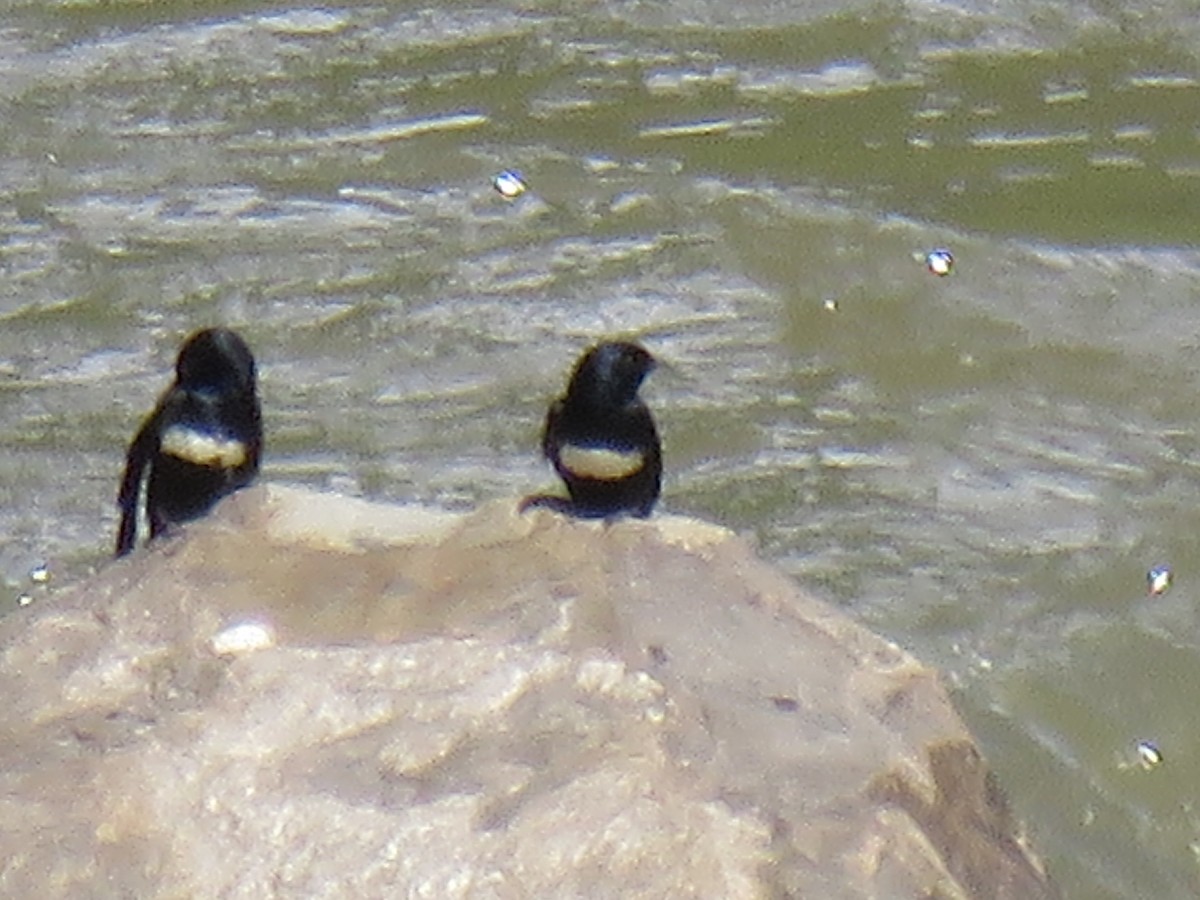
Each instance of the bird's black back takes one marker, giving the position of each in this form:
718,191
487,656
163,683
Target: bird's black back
203,440
601,438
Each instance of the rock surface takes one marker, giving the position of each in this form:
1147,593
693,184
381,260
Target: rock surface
310,696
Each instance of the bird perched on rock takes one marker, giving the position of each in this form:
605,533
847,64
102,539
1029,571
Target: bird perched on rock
601,438
202,441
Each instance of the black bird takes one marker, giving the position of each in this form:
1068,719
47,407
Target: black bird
601,437
202,441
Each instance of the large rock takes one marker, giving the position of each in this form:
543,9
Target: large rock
489,706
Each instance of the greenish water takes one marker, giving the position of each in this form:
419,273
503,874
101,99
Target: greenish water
982,466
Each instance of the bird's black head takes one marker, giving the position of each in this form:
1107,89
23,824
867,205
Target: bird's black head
610,374
216,360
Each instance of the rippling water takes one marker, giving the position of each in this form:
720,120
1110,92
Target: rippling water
982,466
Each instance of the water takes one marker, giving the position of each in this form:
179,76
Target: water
982,466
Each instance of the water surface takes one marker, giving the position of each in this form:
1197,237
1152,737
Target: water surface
982,467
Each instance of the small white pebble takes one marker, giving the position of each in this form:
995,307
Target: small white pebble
1158,580
509,184
1149,755
24,599
939,262
830,305
600,676
243,638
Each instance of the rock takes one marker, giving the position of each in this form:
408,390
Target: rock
310,696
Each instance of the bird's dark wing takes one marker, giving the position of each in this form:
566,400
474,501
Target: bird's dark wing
141,451
550,436
254,444
643,424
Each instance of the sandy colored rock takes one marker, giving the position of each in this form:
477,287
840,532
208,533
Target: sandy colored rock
310,696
